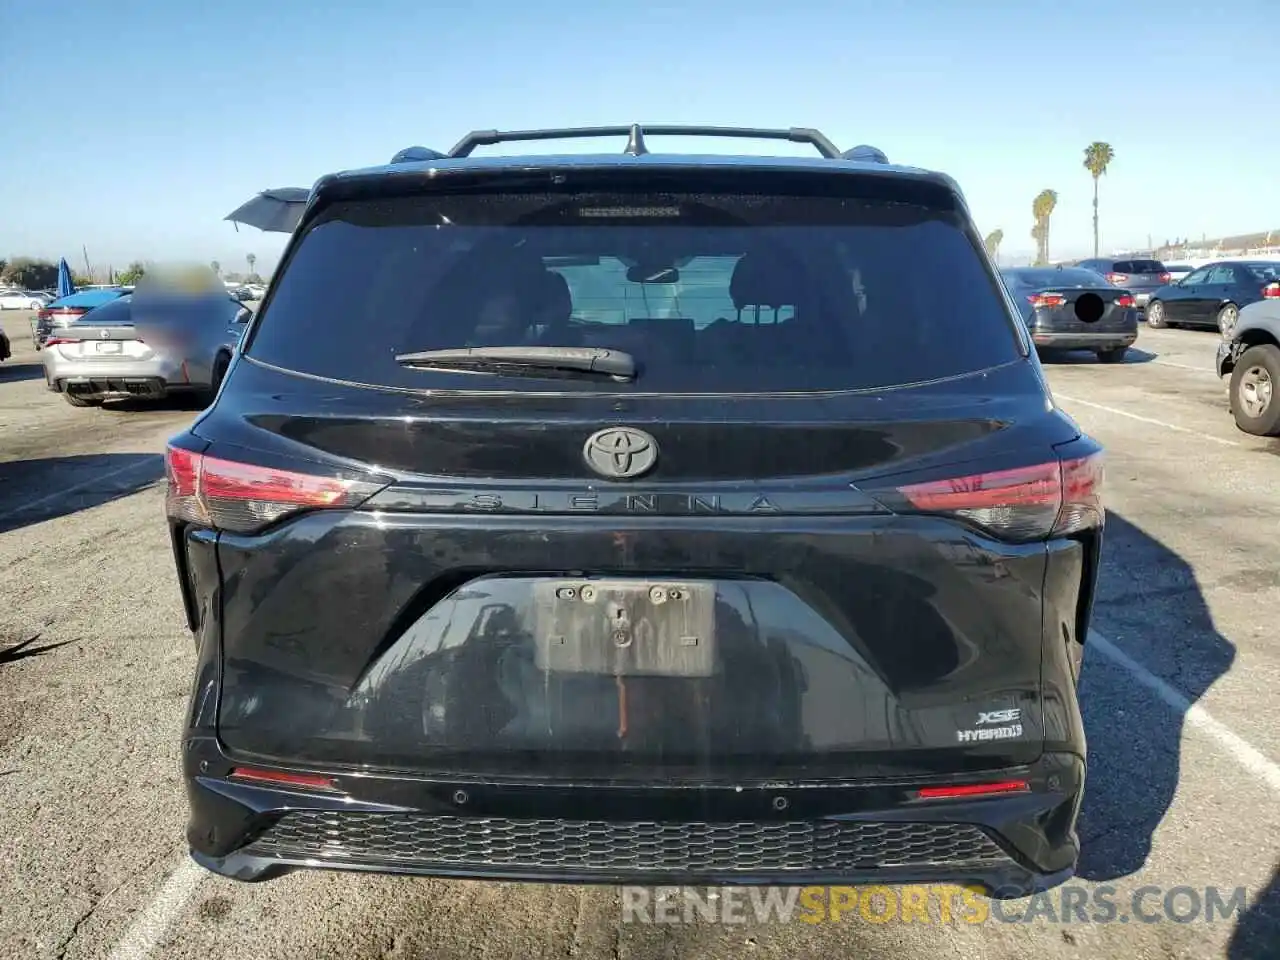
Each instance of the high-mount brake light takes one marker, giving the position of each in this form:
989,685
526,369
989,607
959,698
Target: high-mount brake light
244,498
1049,499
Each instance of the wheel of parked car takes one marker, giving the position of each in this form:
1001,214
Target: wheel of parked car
1155,315
81,401
1253,391
1114,355
1227,318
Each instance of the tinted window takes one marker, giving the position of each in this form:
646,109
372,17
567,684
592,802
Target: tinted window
1039,279
1139,266
1266,272
708,292
117,311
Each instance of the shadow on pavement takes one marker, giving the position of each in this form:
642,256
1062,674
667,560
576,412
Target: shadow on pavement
24,649
11,372
1134,750
1257,935
1085,357
32,491
1146,589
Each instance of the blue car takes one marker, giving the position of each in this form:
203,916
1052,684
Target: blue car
67,310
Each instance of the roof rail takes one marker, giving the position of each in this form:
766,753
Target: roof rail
636,132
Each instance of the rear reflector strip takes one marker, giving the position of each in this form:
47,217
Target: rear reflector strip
973,790
280,778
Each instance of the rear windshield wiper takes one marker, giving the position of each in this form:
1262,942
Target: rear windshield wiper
527,361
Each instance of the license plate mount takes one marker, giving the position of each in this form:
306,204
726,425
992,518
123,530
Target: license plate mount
655,628
108,346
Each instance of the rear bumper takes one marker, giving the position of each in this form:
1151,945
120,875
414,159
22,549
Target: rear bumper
114,379
111,388
763,833
1092,340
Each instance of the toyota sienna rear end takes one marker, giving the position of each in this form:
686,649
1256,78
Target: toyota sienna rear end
637,518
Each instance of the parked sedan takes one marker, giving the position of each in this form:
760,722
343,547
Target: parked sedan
1074,309
1213,295
22,300
64,311
149,350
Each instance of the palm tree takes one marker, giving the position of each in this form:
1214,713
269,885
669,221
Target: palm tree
250,259
1042,208
992,242
1097,157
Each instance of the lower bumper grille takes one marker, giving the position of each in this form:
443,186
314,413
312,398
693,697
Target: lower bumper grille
586,846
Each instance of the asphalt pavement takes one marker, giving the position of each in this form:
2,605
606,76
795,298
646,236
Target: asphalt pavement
1178,694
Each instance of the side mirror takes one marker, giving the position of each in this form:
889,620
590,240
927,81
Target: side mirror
244,315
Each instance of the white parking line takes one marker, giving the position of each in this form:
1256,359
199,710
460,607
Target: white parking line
1196,716
74,488
1185,366
146,934
1141,419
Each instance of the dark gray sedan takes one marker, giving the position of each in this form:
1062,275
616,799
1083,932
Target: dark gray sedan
1068,308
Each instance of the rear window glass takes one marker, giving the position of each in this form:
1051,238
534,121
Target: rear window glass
709,293
117,311
1040,279
1139,266
1265,272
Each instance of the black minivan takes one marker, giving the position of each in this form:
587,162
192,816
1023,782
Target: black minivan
637,517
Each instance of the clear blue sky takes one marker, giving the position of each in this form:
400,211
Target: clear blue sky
136,125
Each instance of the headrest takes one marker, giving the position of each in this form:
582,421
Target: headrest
553,296
761,280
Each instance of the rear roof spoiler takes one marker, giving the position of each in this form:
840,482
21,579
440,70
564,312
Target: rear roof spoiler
636,146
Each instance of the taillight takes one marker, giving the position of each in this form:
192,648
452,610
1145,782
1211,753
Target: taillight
1124,300
54,341
244,498
1047,299
1117,278
1026,503
1271,291
1166,277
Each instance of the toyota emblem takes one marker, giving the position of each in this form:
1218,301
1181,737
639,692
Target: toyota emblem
620,453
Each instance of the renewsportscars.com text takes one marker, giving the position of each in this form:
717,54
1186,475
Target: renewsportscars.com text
929,904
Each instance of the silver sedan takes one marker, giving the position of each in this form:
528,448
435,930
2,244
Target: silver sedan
145,350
